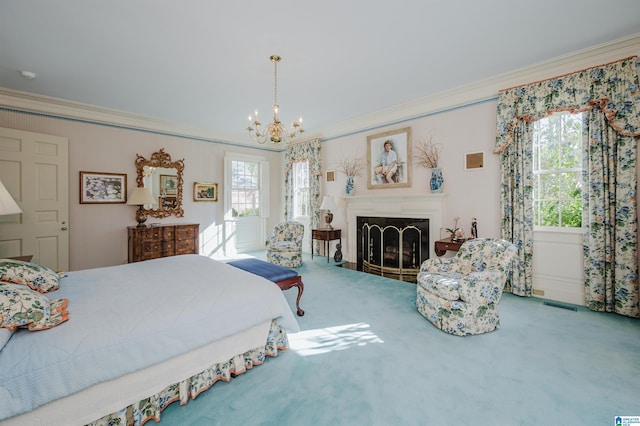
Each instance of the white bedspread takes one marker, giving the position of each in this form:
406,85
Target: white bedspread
124,318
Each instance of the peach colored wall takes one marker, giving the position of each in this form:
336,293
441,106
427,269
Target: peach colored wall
470,193
97,233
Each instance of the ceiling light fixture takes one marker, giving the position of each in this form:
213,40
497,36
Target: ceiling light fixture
276,132
28,75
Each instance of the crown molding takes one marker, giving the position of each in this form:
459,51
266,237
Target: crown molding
56,107
487,89
480,91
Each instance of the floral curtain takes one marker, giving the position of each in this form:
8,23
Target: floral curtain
304,151
517,207
611,95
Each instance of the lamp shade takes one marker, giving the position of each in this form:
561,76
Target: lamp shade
7,204
140,196
328,203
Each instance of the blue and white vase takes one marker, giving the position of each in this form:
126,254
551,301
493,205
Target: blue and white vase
437,180
350,188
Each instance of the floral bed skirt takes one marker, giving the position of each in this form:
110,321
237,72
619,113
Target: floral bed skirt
150,408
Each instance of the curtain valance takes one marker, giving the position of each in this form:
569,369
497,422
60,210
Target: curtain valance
612,87
304,151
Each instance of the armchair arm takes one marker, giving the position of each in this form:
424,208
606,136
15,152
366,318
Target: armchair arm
482,287
270,240
447,265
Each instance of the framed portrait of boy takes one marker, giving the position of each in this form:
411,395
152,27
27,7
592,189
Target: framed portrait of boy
389,159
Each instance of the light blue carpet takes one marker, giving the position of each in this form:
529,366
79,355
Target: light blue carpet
365,356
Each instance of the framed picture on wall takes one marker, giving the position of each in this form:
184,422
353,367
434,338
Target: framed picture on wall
103,188
474,160
205,191
169,184
389,159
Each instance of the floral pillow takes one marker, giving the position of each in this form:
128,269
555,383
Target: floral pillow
23,307
38,277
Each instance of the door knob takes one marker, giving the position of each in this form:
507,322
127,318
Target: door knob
64,228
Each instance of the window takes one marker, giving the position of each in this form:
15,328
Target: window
301,188
245,188
557,170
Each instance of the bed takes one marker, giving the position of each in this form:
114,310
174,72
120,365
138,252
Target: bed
139,337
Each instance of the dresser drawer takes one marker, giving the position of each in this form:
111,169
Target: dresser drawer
168,248
168,233
185,247
150,234
185,233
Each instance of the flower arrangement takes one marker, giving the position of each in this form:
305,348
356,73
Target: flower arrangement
457,234
351,166
428,153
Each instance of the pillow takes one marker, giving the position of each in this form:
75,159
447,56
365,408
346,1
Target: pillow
21,306
38,277
5,335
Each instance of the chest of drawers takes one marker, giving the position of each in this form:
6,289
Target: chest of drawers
152,242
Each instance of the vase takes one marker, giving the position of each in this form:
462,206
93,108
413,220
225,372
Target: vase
437,180
350,188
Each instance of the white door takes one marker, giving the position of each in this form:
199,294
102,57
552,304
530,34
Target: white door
246,203
34,168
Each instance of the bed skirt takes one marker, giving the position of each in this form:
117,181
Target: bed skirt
150,408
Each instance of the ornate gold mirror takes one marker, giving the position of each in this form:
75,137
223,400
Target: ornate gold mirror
164,178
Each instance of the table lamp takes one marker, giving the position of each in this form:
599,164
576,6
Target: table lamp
139,197
328,204
7,203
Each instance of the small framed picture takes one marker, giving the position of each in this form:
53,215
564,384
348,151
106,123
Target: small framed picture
169,184
474,161
205,191
331,175
103,188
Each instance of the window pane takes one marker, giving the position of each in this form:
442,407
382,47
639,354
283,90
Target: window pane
301,188
245,184
557,151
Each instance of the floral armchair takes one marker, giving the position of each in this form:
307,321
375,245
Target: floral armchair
460,294
284,246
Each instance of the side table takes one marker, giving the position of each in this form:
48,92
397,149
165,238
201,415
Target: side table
26,258
441,246
326,235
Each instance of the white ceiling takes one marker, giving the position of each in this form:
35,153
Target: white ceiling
205,63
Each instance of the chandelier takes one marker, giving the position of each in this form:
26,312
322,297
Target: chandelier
275,132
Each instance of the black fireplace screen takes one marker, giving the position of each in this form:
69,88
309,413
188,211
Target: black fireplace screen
392,246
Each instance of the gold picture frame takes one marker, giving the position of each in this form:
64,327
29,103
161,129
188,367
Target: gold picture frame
400,142
205,191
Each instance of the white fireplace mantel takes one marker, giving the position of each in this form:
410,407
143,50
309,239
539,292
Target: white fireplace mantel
409,206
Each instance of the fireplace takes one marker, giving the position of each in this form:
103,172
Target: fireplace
423,209
392,246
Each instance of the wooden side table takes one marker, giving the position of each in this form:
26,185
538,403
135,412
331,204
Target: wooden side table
441,246
326,235
26,258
